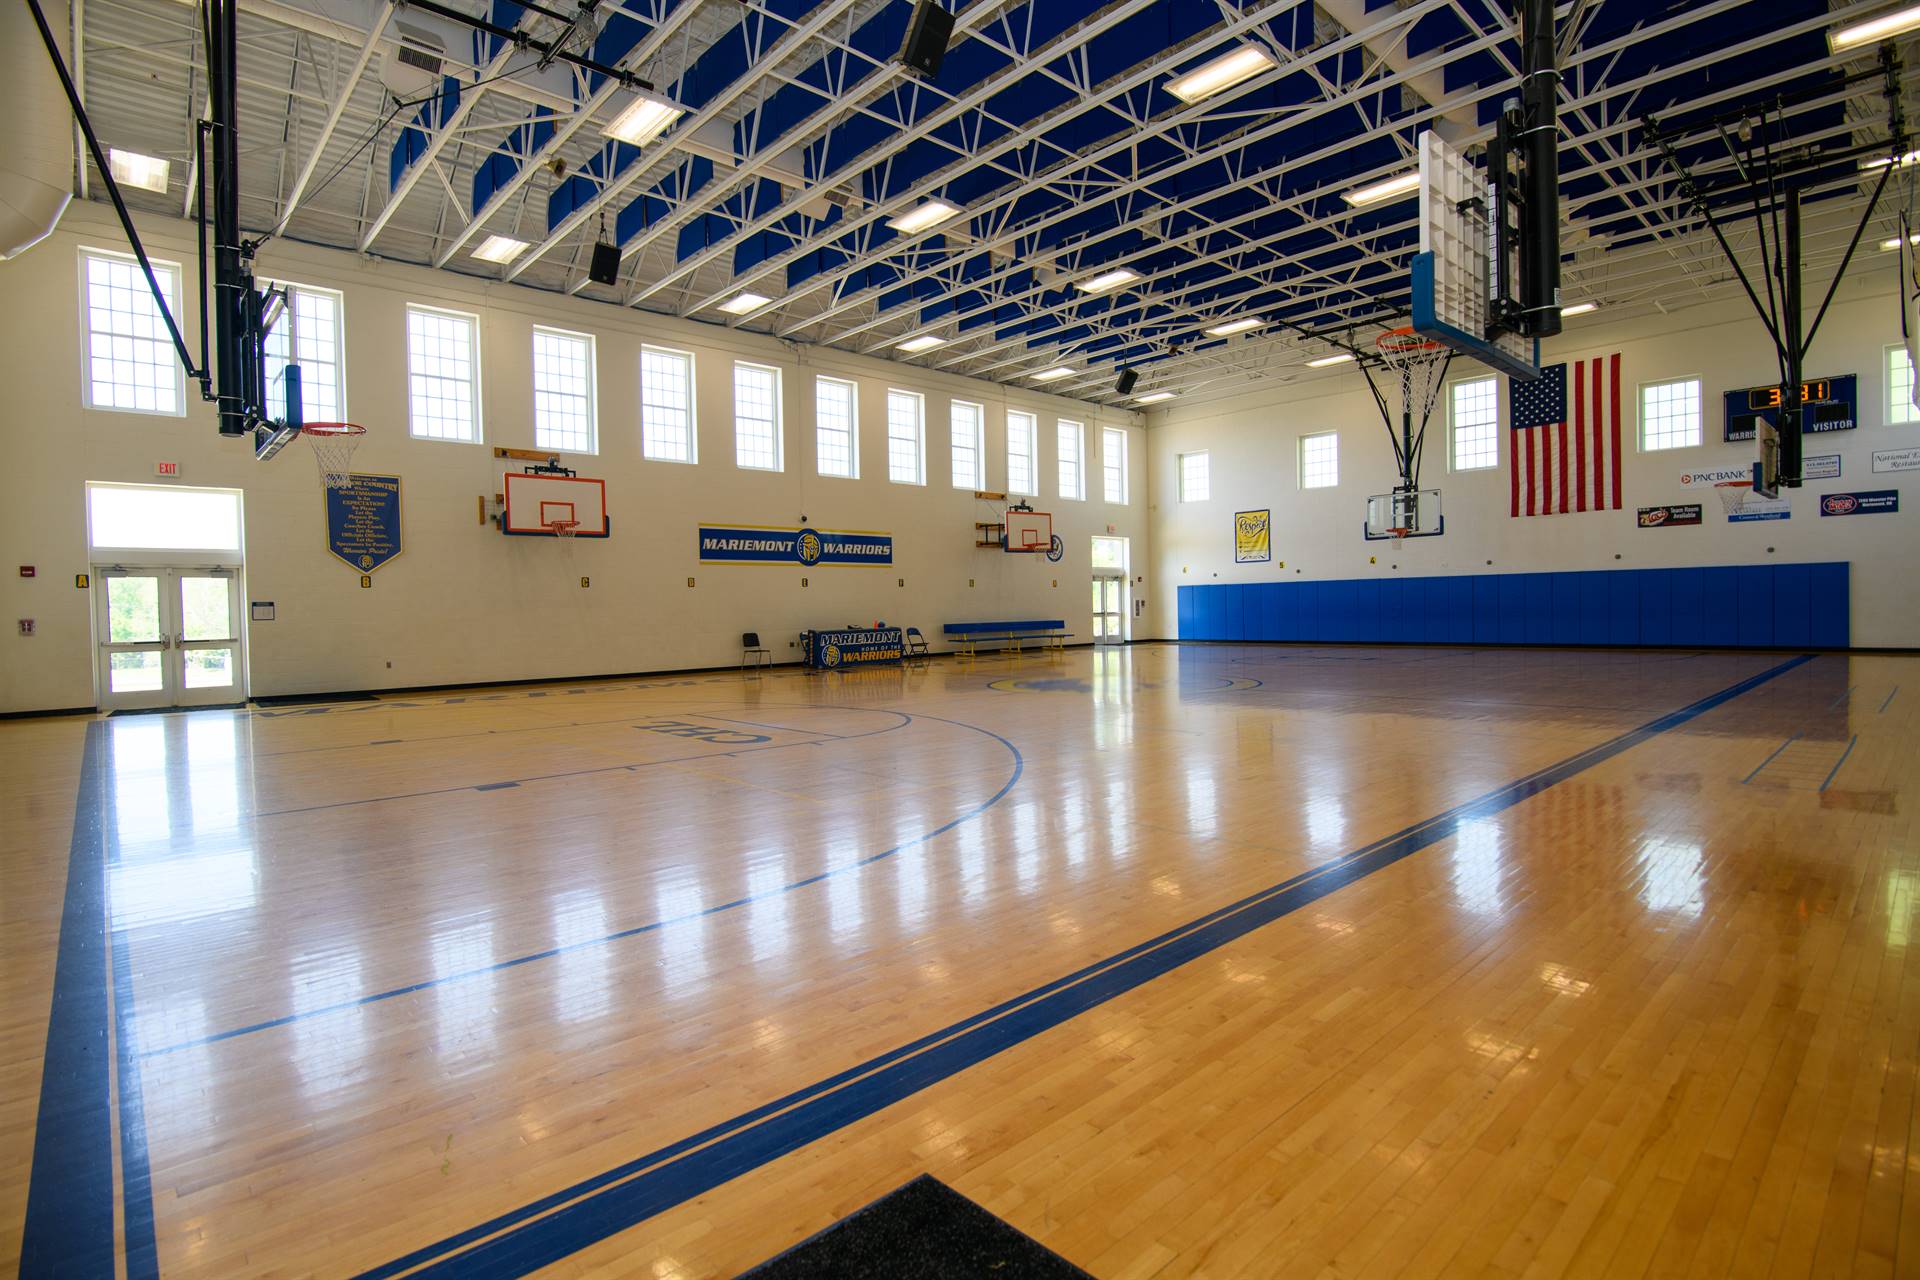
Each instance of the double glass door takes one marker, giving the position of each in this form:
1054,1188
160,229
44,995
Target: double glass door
168,637
1109,608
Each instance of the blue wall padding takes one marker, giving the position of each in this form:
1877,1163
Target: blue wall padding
1772,606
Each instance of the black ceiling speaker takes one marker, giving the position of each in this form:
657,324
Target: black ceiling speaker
927,34
605,267
1124,384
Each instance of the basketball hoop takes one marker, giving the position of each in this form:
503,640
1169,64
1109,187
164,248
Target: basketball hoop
1421,364
333,445
1733,494
563,528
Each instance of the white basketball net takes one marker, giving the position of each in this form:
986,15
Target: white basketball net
333,454
1733,494
1421,365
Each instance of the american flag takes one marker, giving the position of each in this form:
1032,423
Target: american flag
1562,462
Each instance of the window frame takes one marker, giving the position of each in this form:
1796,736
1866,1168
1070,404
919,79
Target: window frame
1079,492
1300,458
473,386
919,436
339,346
853,427
779,426
1031,453
1699,408
693,406
1453,425
978,444
1180,475
1107,469
171,276
1899,410
593,386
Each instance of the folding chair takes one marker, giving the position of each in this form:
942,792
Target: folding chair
916,643
750,647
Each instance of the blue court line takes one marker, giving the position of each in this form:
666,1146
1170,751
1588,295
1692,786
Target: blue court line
1019,767
1883,706
1837,763
563,1223
69,1218
1834,705
1769,760
136,1169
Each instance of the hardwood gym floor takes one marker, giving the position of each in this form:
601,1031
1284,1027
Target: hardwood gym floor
1185,961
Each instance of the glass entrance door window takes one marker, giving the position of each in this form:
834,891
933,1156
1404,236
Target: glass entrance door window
168,637
1109,610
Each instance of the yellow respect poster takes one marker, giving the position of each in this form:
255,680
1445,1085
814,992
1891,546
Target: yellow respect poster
1252,536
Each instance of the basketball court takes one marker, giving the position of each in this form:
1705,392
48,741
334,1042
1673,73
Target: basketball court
964,639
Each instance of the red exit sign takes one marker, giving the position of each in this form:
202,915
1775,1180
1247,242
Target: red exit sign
166,468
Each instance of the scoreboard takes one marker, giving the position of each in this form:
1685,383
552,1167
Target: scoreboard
1827,404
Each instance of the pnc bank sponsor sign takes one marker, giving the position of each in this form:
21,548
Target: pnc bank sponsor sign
759,544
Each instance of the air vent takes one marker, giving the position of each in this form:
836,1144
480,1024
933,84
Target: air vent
416,63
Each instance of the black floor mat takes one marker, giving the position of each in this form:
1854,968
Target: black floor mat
167,711
923,1231
300,699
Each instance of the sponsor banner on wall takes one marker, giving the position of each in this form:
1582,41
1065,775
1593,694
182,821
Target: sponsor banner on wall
1872,502
1825,466
762,544
363,521
1252,536
1752,508
1669,516
1829,404
1896,459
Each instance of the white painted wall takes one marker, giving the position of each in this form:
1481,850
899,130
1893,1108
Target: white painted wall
463,602
1253,441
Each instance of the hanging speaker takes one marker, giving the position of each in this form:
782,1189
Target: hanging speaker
1124,383
605,267
927,34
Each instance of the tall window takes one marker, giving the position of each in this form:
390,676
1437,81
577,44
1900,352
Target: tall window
1113,461
969,445
1900,387
130,359
756,417
1320,460
906,434
563,391
1196,479
836,428
443,374
309,333
1670,414
1476,424
1073,481
1022,476
666,405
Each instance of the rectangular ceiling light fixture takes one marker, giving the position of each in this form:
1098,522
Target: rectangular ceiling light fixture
741,303
1874,30
1881,162
923,217
1107,281
1224,72
500,249
1401,184
130,168
646,118
1888,246
1054,374
1578,309
1324,361
1155,398
1232,327
925,342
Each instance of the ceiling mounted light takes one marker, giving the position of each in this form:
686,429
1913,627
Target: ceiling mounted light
1401,184
741,303
1881,162
1324,361
1154,398
1224,72
1874,30
925,342
1232,327
923,217
1888,246
502,249
1578,309
1054,374
131,169
647,117
1107,281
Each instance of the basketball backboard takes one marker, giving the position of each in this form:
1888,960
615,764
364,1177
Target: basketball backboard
1453,274
1405,513
1029,531
541,505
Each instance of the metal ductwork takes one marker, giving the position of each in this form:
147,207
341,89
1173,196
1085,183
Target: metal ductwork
36,166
